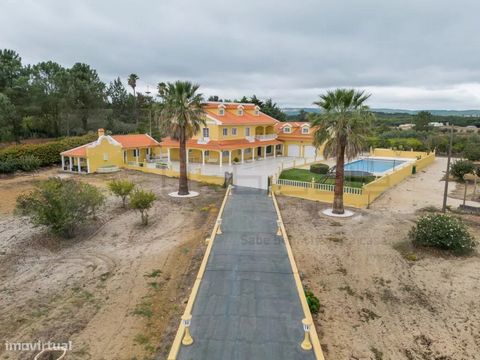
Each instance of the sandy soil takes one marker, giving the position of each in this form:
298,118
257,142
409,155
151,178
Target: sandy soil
117,290
377,301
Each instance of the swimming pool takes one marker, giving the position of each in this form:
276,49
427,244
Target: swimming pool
373,166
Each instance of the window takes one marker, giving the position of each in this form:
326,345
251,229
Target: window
305,130
287,129
240,110
257,111
136,152
149,151
234,131
225,131
207,153
221,111
247,131
105,156
248,151
206,132
224,153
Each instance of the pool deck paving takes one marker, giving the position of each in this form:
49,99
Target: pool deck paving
247,306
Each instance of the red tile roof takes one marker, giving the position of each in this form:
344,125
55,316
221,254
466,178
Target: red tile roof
80,151
296,132
230,116
135,141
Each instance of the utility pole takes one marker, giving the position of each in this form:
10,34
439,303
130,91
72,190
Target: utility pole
447,174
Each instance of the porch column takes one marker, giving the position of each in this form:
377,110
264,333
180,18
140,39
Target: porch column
138,153
70,163
230,157
264,152
243,156
221,157
203,157
168,154
187,155
63,163
274,151
79,164
253,154
88,166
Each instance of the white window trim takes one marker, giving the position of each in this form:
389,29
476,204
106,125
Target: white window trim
221,111
287,129
305,130
225,131
105,156
234,131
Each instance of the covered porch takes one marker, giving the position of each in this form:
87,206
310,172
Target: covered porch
75,164
227,156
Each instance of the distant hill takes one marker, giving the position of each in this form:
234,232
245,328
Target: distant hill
463,113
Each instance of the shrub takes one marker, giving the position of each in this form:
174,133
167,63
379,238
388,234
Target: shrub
460,168
142,200
121,188
443,232
62,205
8,166
319,168
472,152
47,153
28,163
312,301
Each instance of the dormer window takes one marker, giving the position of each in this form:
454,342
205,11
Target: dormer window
240,110
221,109
287,129
305,130
257,110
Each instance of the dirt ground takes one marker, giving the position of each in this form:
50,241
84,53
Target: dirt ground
118,289
381,298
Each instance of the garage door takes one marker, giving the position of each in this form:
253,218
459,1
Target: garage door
293,150
309,151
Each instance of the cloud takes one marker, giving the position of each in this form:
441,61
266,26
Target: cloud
410,54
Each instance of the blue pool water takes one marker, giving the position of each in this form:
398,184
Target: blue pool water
373,165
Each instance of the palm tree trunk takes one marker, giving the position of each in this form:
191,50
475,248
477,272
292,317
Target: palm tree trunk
183,182
339,178
135,114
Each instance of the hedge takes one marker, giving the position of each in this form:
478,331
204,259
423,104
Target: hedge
319,168
47,153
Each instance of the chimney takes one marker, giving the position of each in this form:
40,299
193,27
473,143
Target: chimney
101,132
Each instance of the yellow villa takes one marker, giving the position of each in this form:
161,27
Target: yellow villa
234,133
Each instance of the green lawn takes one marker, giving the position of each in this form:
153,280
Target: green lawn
306,175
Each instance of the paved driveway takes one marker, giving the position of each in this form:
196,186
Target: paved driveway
250,174
247,307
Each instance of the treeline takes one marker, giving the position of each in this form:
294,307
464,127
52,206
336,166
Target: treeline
47,100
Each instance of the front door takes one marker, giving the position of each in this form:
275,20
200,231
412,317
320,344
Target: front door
259,151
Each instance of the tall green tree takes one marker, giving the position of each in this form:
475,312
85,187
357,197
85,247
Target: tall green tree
132,82
10,68
118,97
343,128
422,119
182,116
88,91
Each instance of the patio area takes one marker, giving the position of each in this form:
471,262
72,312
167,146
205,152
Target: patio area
252,174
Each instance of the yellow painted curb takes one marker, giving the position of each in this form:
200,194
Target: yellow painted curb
301,293
177,342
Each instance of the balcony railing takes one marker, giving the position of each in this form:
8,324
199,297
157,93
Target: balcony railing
266,137
204,140
250,138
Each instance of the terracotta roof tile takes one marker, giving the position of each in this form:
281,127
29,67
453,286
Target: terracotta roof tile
135,140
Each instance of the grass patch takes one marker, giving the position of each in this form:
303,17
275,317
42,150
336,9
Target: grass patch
155,273
306,175
144,309
335,239
348,290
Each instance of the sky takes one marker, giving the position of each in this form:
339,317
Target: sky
409,54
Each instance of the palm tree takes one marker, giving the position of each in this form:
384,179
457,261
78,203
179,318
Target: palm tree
182,116
342,127
132,82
